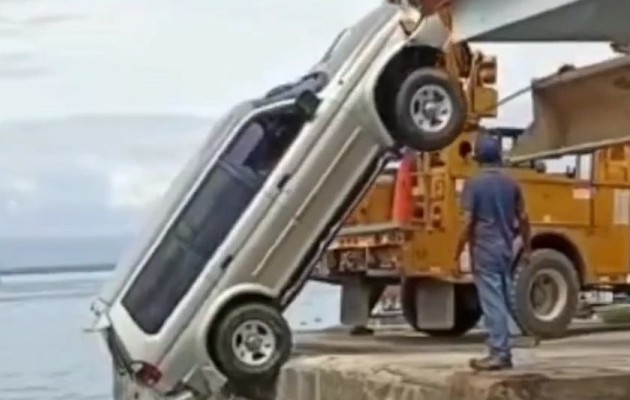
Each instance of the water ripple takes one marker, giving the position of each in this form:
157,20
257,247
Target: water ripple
51,358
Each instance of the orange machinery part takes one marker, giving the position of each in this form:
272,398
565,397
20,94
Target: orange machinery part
432,6
402,209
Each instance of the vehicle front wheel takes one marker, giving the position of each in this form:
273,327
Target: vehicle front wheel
430,110
546,294
251,343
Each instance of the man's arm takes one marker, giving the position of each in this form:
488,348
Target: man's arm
468,220
523,222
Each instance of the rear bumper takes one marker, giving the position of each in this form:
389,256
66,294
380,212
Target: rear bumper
103,326
171,387
120,356
373,250
125,388
378,228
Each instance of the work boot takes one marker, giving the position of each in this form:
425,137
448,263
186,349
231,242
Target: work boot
490,363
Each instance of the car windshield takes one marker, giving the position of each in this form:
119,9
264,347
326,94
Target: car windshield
333,46
353,38
219,200
341,49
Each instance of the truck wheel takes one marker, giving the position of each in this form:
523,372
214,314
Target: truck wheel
251,343
545,294
408,301
467,310
376,291
467,313
430,111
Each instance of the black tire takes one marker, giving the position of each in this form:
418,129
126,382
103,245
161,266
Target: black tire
408,301
229,330
407,131
558,268
467,310
376,291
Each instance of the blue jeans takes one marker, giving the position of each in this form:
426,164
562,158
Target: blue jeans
493,281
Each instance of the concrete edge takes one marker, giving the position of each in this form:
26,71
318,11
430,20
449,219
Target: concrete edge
609,385
308,381
298,383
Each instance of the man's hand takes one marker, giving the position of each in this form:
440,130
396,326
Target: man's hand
459,263
465,235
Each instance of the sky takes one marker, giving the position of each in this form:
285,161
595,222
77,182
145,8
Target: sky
102,101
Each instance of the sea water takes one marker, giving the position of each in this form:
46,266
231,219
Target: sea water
46,355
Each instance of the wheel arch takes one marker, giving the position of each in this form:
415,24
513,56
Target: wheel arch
231,297
392,75
560,242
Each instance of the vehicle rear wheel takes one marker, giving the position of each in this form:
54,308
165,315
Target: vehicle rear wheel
545,295
251,343
467,310
430,110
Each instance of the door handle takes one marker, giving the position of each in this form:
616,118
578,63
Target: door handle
283,181
226,262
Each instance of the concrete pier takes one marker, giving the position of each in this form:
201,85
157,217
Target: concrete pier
407,366
397,364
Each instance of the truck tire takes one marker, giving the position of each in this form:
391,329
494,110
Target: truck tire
545,294
250,343
430,110
376,291
408,301
467,310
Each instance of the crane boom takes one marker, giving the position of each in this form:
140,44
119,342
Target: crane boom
578,110
541,20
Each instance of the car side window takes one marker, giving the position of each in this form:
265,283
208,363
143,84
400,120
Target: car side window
251,136
221,198
261,144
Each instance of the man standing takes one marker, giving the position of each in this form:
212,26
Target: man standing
492,202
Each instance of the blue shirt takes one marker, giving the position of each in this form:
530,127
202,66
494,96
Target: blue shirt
493,200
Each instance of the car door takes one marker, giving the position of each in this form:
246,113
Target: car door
225,205
320,185
160,216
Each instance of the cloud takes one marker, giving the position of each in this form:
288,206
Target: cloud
138,187
91,174
191,56
113,95
116,56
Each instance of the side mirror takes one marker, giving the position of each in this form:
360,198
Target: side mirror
307,103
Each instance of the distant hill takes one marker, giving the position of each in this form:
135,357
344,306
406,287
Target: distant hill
165,135
53,251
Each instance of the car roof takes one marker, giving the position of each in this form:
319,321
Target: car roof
225,125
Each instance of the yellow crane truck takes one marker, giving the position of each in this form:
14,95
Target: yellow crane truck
580,218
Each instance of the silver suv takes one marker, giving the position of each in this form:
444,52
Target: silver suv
197,301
